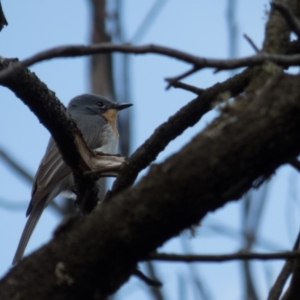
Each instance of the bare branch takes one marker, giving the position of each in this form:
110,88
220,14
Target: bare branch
173,80
252,44
196,61
166,257
188,87
146,279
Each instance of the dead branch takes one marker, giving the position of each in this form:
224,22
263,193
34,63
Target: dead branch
250,41
189,258
188,87
196,61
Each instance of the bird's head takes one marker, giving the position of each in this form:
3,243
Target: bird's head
91,104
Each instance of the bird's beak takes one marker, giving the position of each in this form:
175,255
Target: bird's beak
120,106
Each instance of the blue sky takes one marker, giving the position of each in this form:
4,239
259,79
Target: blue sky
195,26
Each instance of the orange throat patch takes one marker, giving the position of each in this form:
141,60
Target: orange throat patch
111,116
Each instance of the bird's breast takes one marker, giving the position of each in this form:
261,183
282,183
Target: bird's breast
110,140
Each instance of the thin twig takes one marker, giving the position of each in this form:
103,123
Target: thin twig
146,279
223,257
188,87
173,80
289,17
250,41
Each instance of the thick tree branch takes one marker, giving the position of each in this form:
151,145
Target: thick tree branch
95,255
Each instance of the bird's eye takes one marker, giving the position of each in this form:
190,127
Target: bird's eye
100,104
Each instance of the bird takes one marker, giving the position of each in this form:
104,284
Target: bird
96,118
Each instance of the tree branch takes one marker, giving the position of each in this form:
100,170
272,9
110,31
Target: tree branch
188,87
167,257
196,61
250,41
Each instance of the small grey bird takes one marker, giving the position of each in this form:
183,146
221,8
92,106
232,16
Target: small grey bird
96,117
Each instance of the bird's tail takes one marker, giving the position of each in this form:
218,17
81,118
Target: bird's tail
33,218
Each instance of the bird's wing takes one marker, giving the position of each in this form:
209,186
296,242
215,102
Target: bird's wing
92,129
51,171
